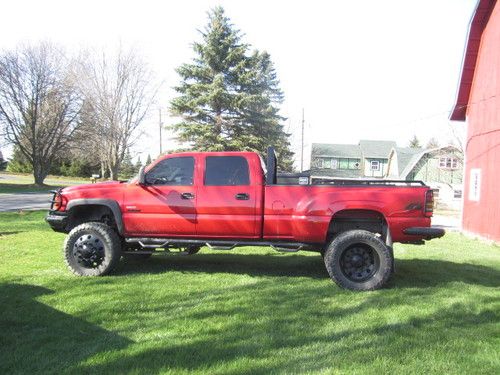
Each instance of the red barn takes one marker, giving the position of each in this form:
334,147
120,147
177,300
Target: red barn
478,103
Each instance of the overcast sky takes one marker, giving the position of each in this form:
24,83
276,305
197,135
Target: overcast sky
383,69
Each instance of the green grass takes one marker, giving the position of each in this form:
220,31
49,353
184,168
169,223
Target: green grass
24,183
248,311
25,188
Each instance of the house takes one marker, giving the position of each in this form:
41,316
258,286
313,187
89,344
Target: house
478,103
440,168
367,159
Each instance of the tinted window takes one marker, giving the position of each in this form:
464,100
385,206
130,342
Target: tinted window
173,171
226,171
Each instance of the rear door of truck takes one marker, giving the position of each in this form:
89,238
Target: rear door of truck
228,199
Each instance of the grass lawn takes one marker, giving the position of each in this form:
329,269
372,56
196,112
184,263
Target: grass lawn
25,188
24,183
248,311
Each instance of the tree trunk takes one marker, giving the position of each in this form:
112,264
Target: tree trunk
39,174
113,172
103,170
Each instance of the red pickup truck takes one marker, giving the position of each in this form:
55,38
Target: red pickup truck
222,200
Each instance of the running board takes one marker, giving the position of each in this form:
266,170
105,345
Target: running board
154,243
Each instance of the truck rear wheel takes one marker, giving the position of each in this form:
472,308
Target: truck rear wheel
92,249
358,260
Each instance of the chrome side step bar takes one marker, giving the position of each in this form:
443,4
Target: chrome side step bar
155,243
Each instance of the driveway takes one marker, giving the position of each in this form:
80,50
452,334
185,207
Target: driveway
448,223
25,201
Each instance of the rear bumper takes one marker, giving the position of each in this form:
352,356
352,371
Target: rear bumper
57,221
427,233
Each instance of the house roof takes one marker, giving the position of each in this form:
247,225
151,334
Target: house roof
336,150
477,24
415,158
404,155
376,149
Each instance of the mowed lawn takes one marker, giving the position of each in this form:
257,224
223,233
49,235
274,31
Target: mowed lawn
250,311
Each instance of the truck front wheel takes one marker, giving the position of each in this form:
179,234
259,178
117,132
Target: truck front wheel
358,260
92,249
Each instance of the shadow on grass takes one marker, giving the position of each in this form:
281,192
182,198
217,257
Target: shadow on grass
35,338
5,234
409,272
288,331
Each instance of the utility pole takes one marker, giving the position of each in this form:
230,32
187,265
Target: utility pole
161,124
302,145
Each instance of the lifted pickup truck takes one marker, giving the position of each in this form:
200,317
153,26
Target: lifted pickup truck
222,200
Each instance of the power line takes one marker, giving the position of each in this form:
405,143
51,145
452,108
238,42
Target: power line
447,112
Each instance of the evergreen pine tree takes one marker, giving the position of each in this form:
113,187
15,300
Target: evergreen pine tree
148,160
414,142
228,99
138,163
18,162
127,167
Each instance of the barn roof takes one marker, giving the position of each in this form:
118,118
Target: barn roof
476,26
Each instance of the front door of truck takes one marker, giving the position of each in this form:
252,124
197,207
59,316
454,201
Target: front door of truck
226,204
166,204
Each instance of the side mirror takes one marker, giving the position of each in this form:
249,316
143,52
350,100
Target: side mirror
142,176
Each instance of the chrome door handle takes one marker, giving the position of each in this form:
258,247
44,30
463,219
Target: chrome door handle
187,196
242,196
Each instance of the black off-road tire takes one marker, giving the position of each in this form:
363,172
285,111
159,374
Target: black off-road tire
107,249
358,260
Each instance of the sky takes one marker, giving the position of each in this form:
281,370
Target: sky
381,70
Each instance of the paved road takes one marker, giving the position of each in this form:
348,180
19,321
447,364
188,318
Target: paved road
448,223
24,201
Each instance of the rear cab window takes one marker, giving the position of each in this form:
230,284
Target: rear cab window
226,171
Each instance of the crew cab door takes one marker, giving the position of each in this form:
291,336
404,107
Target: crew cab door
166,204
226,204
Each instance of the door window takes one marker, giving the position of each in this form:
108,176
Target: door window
172,171
226,171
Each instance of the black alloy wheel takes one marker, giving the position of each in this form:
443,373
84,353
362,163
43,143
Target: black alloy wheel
88,250
358,260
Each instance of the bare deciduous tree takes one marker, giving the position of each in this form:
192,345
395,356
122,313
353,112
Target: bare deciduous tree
118,95
39,103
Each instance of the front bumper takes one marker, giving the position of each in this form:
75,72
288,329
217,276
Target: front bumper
57,220
427,233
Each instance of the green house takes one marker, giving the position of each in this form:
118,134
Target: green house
367,159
